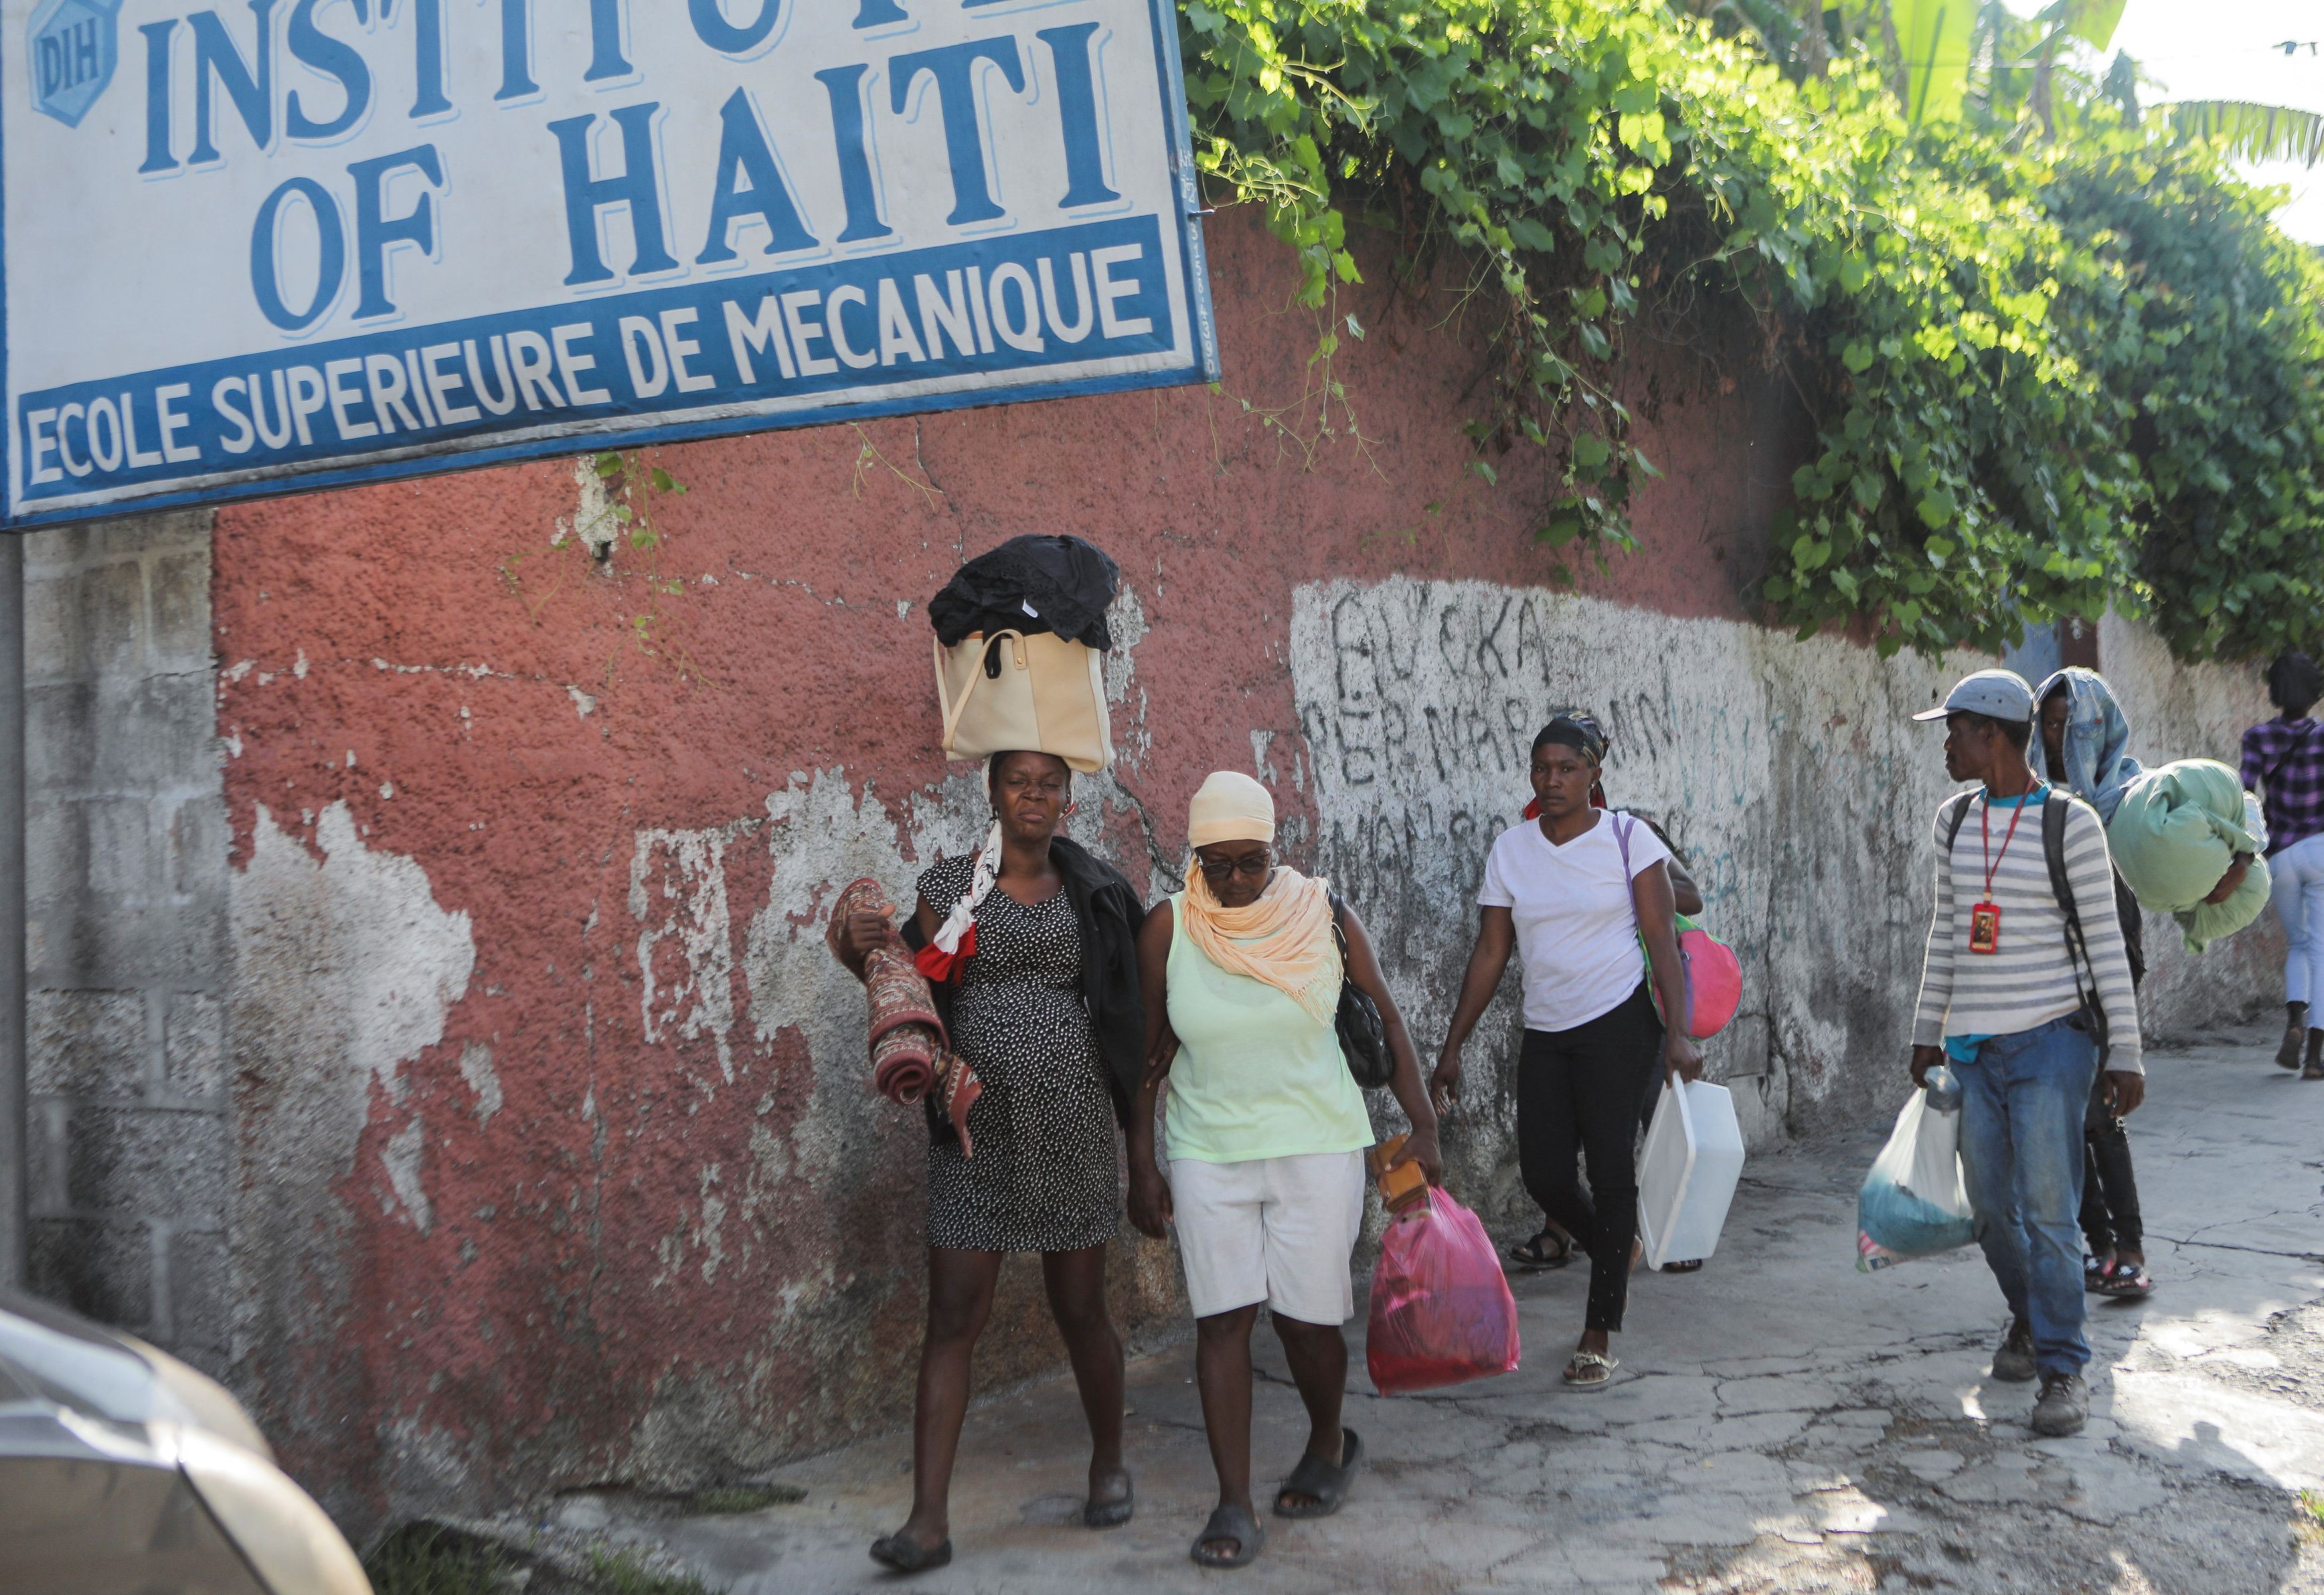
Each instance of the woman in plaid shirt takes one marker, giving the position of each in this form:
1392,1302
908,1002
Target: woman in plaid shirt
2284,759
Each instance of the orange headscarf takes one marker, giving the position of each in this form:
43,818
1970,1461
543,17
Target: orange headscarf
1283,938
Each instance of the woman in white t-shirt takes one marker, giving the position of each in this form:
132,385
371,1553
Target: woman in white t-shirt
1573,893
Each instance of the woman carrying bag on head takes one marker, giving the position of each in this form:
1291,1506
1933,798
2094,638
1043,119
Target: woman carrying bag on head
1028,946
1267,1131
1573,893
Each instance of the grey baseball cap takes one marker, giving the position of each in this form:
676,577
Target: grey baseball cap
1998,695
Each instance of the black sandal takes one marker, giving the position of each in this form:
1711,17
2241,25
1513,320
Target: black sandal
1326,1482
1114,1513
1691,1266
1229,1523
894,1550
1528,1254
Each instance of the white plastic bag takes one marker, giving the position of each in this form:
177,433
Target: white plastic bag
1913,1203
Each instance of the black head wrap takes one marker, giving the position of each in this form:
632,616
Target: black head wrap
2294,681
1574,728
1577,729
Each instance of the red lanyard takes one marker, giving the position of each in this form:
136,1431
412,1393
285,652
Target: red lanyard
1984,837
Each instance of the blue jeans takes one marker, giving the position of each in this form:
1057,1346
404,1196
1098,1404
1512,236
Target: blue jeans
2296,886
2022,1100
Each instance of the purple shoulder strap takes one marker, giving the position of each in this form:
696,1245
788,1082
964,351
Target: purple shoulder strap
1622,838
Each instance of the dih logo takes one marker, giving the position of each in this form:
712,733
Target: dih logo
72,54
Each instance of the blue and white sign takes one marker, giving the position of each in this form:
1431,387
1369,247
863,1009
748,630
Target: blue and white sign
259,245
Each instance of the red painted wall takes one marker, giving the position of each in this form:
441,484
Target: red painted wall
432,630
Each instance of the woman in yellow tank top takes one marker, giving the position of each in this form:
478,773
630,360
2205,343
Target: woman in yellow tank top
1266,1134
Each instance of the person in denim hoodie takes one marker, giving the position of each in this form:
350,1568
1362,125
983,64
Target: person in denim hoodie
2084,736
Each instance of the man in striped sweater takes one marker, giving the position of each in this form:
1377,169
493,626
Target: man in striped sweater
2025,1012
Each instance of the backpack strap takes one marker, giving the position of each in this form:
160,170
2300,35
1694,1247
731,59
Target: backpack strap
1955,813
2054,852
2267,771
2054,811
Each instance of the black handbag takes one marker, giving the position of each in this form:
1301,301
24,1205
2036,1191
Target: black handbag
1363,1038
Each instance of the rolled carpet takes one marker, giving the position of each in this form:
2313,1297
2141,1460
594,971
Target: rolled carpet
910,1060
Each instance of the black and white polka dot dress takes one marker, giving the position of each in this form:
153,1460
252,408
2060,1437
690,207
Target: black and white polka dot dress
1047,1175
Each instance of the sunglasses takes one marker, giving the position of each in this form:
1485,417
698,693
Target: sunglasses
1254,866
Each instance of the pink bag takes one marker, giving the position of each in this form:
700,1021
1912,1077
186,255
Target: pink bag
1714,975
1715,980
1442,1313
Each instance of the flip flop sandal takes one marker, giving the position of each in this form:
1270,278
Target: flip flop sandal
1691,1266
1097,1514
1326,1482
1529,1254
1229,1523
2126,1280
2094,1275
894,1550
1589,1370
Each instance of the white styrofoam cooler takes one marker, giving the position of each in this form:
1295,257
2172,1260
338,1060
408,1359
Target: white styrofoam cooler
1687,1174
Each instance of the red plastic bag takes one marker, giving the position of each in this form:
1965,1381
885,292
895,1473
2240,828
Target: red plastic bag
1442,1313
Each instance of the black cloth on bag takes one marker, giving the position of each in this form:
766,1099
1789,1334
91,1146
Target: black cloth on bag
1107,911
1578,1092
1068,582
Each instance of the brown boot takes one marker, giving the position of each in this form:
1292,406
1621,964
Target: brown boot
2315,1069
2295,1030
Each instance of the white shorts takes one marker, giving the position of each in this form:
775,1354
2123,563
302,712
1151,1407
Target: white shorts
1272,1229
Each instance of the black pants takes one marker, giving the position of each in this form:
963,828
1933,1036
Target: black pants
2109,1215
1578,1090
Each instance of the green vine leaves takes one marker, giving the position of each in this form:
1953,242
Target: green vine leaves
2040,382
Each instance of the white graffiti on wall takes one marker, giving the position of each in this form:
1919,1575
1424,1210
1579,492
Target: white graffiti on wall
1789,772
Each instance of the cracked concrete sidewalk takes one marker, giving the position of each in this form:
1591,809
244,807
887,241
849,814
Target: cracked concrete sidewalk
1780,1422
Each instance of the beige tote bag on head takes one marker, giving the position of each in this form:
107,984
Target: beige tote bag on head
1017,690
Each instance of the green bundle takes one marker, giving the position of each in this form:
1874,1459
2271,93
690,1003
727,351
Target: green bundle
2174,835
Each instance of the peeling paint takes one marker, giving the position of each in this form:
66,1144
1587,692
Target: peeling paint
345,969
700,1230
476,1069
593,511
401,1158
1125,621
678,891
819,836
352,950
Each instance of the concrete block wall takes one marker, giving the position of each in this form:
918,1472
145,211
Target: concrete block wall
132,1152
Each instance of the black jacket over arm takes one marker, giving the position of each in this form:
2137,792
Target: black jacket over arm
1107,912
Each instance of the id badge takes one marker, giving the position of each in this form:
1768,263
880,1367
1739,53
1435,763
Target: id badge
1983,927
